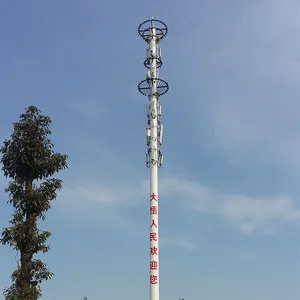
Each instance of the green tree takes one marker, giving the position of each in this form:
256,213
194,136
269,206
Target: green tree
29,161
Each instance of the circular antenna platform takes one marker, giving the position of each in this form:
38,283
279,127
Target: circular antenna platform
147,62
146,30
161,86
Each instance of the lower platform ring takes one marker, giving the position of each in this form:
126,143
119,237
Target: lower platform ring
144,87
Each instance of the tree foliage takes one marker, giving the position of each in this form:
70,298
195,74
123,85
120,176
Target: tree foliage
29,160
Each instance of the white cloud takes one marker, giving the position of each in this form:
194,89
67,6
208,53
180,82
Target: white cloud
248,213
106,196
105,193
105,203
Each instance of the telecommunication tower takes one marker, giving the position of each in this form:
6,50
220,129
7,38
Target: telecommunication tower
153,31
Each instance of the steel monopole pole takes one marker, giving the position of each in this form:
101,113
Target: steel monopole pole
152,31
154,241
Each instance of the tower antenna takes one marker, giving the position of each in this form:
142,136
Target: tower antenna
153,31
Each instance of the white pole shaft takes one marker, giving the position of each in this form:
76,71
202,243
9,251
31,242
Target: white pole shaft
154,238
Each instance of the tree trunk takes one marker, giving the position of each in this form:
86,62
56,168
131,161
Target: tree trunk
26,255
25,271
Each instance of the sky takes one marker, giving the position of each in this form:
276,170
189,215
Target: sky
229,187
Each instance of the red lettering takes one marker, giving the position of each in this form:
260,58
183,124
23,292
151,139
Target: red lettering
153,197
153,251
153,210
153,265
153,224
153,236
154,279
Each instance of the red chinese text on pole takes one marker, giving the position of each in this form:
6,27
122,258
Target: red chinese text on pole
153,251
153,265
153,224
153,197
153,210
153,236
153,279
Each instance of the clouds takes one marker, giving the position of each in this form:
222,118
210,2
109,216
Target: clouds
247,213
104,195
231,132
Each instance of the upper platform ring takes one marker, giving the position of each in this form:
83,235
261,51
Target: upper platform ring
145,30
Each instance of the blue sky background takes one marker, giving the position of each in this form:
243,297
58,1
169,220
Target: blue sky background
229,189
